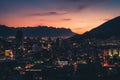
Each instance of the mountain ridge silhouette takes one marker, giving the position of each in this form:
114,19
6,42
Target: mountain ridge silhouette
39,31
109,29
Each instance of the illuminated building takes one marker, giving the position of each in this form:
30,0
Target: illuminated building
111,57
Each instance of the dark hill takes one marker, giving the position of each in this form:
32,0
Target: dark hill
107,30
6,31
40,31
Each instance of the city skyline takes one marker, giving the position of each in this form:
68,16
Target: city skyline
78,15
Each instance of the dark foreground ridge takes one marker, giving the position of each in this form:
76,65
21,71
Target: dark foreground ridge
109,29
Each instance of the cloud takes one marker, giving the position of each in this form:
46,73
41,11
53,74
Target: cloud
52,20
71,0
79,5
78,28
105,19
67,19
73,9
42,20
45,14
83,0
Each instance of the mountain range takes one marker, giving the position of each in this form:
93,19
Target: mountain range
39,31
109,29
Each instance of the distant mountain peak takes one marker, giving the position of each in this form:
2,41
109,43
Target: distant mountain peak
39,31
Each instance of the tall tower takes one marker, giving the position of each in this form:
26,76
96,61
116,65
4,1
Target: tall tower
19,38
19,43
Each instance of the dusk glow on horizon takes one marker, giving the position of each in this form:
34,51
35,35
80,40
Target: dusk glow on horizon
78,15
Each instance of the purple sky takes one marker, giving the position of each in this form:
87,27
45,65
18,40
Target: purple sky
78,15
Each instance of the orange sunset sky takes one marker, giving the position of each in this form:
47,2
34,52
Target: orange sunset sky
78,15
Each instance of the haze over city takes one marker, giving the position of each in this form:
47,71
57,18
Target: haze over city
78,15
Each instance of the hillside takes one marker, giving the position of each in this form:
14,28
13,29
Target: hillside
39,31
109,29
